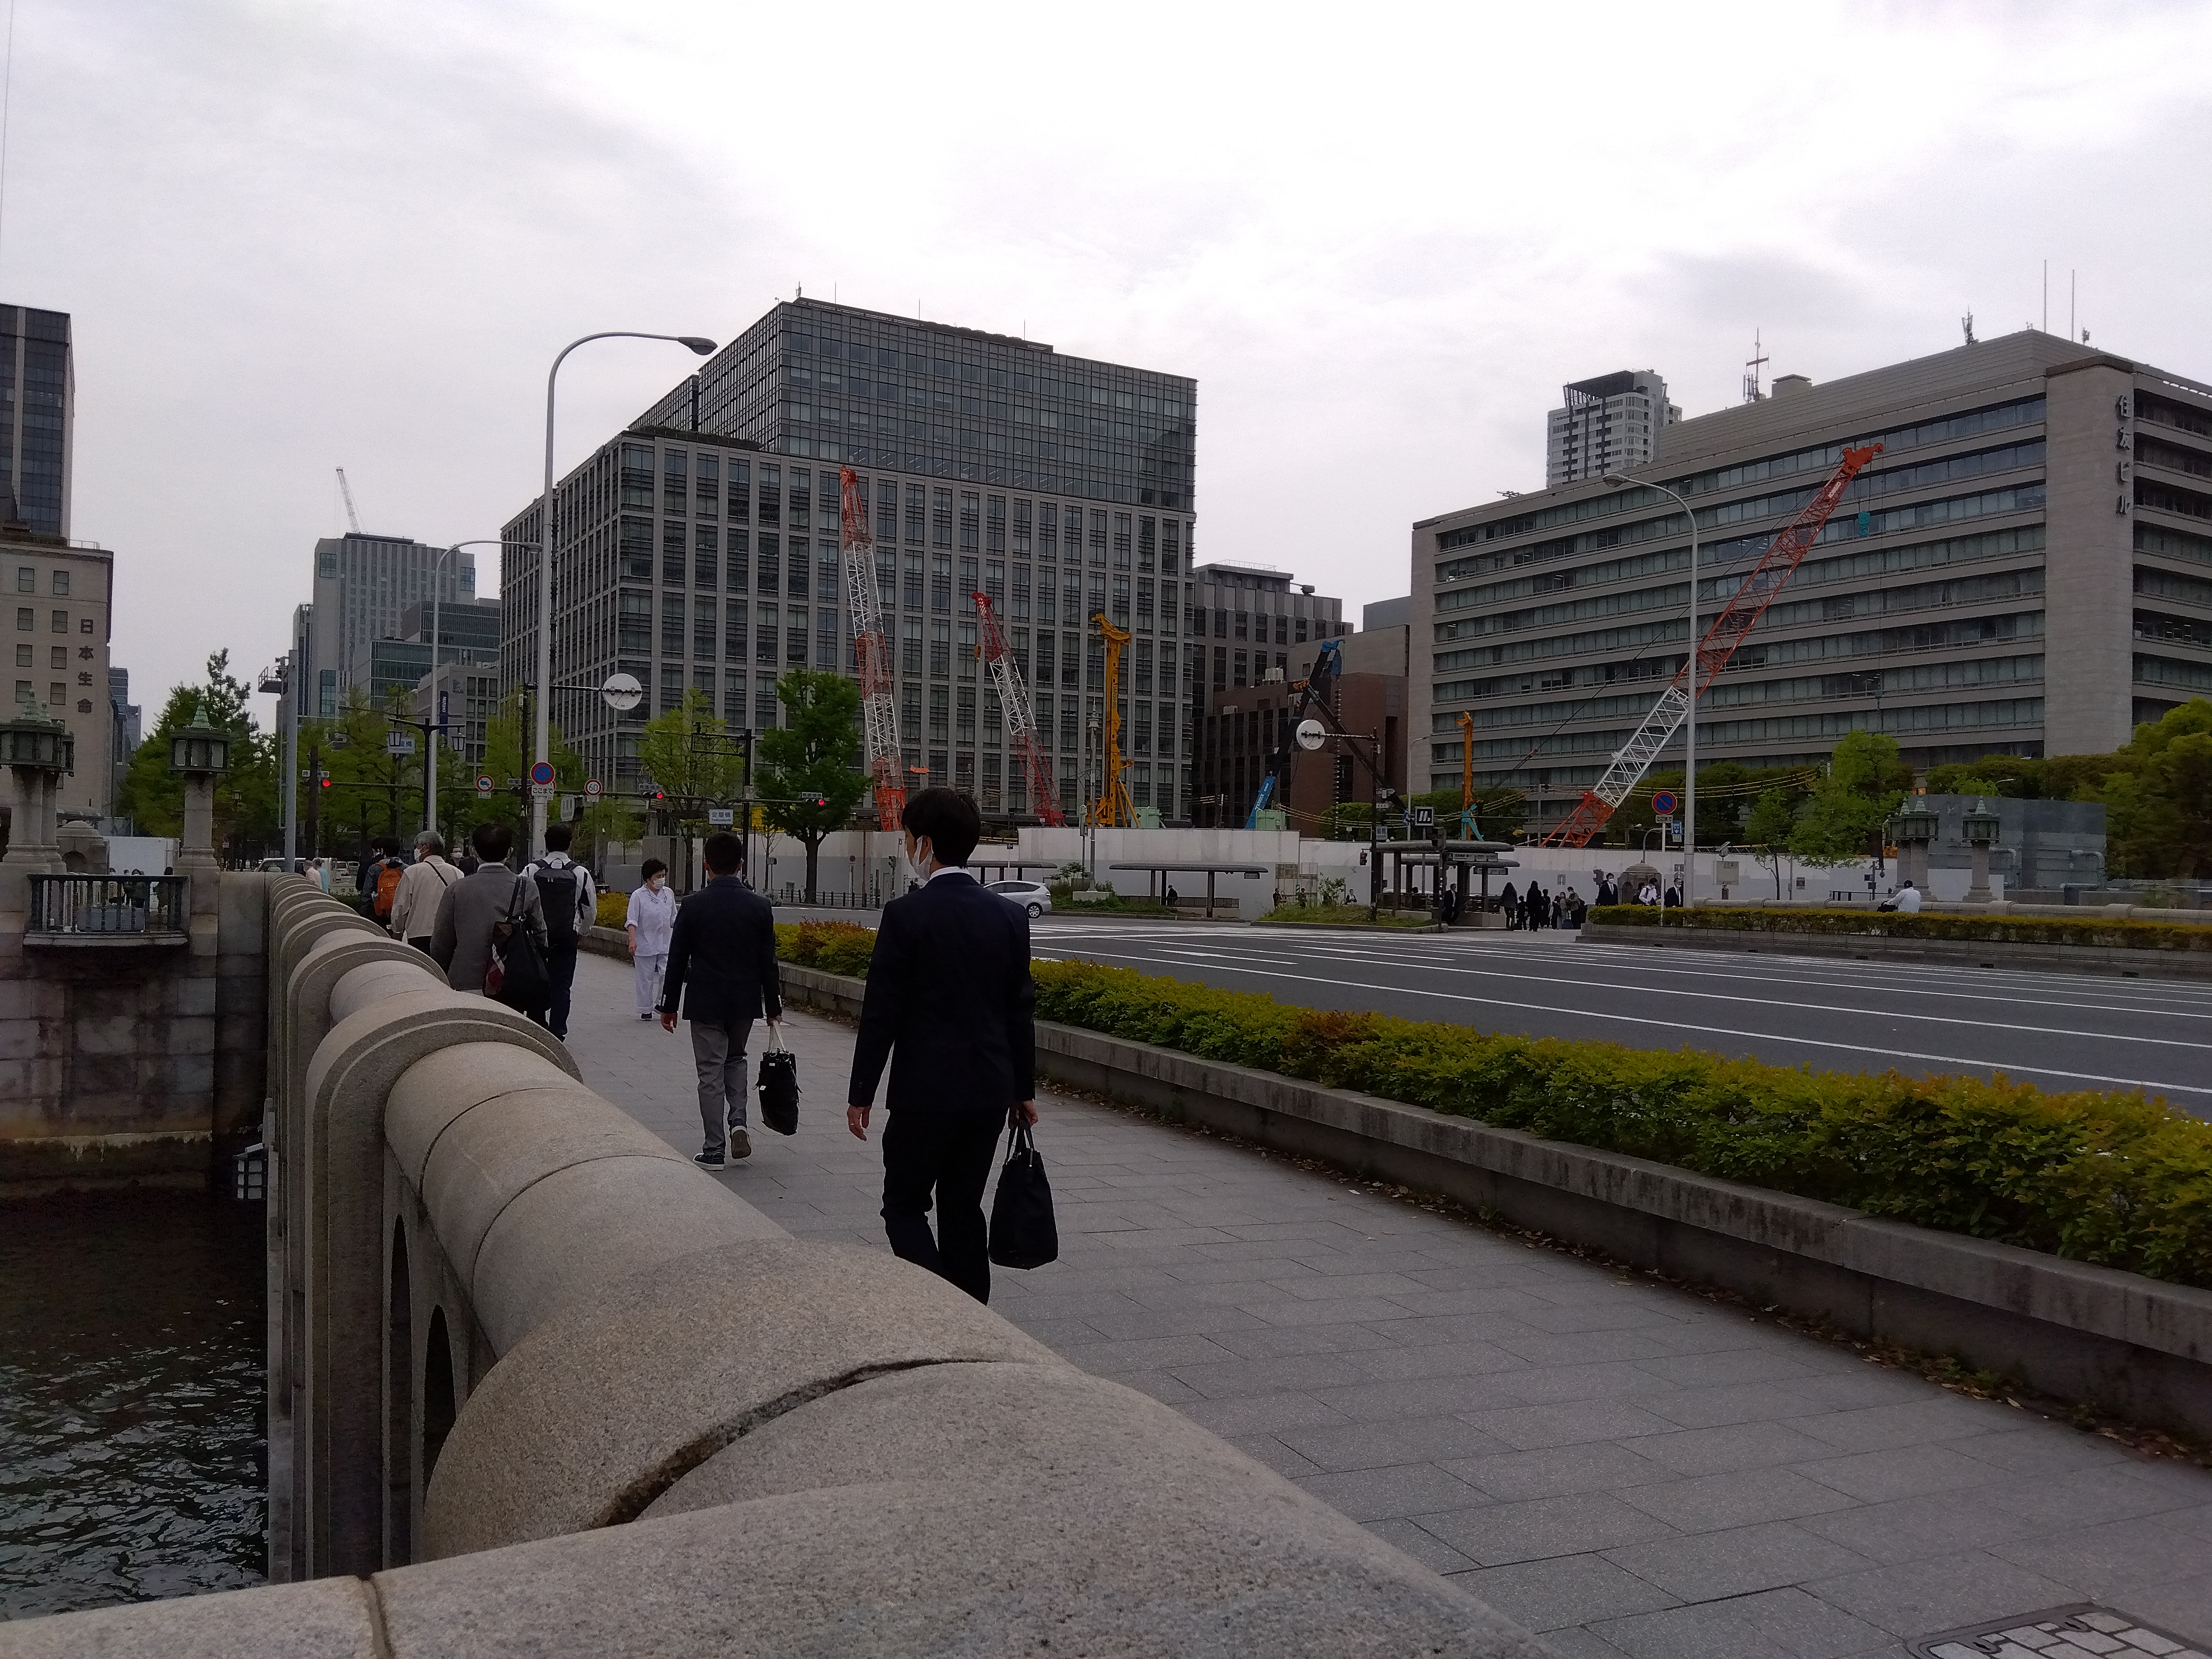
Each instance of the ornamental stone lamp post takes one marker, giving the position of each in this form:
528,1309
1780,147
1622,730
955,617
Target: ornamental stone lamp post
38,751
199,753
1912,831
1980,828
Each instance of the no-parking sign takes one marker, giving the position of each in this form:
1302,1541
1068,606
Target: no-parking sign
542,775
1664,802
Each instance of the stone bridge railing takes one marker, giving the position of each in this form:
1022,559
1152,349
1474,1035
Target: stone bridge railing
539,1385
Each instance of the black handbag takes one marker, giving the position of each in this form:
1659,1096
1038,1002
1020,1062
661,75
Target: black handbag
517,974
1023,1232
778,1085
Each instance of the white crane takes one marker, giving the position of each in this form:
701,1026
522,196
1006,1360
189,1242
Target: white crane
346,491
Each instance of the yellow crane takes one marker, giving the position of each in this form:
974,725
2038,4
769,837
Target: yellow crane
1466,774
1112,808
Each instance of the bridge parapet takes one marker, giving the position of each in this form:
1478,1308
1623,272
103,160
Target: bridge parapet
555,1391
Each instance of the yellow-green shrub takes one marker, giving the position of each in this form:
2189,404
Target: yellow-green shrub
2122,934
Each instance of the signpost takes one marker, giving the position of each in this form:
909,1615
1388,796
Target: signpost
721,817
591,789
1424,817
483,784
1664,803
541,781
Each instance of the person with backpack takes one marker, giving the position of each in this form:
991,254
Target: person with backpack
480,915
377,880
570,906
421,885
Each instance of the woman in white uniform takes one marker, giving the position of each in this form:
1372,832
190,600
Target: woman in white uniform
651,920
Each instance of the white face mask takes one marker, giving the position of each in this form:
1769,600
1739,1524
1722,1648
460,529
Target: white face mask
917,863
655,882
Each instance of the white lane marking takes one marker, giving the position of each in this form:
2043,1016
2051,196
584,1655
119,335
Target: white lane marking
1723,1031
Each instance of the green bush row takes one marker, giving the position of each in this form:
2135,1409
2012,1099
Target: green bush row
2121,933
2110,1178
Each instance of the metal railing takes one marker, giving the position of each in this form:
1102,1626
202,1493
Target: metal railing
82,905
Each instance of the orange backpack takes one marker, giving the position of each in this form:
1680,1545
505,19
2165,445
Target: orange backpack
387,888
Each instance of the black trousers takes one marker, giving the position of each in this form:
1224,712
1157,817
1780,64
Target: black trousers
561,969
948,1154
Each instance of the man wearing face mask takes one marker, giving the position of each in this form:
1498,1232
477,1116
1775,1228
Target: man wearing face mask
950,1006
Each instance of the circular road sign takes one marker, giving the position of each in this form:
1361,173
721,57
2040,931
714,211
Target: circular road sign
1311,734
483,784
542,775
591,786
622,692
1664,802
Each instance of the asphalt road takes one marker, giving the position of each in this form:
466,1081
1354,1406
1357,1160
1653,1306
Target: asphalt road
2058,1031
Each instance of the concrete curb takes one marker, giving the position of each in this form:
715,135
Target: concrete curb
2132,1346
1350,927
2122,961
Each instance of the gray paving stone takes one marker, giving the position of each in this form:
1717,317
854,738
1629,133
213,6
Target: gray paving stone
1555,1471
1912,1599
2106,1562
1565,1591
1745,1627
1399,1364
1256,1414
2081,1498
1530,1426
1902,1472
1542,1527
1919,1529
1913,1423
1730,1365
1710,1502
1394,1492
1762,1445
1706,1566
1422,1545
1267,1449
1374,1445
1424,1396
1227,1375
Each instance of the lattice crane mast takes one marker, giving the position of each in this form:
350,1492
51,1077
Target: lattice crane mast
345,491
1736,619
872,654
1113,806
1021,720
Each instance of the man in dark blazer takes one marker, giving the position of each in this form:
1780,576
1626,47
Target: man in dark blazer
949,1004
723,951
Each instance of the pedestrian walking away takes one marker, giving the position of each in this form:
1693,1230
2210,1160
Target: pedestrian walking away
950,1006
651,920
565,893
722,976
461,939
378,882
422,887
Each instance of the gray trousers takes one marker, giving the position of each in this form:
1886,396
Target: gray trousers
718,1049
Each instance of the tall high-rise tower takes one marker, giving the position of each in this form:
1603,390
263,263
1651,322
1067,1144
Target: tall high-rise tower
39,378
1605,424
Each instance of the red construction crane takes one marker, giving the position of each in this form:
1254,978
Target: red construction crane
1735,620
872,655
1021,720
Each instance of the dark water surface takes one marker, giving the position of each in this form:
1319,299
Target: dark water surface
131,1399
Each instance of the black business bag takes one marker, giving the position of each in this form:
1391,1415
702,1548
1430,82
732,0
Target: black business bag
1023,1232
778,1085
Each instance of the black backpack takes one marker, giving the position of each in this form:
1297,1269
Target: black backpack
559,892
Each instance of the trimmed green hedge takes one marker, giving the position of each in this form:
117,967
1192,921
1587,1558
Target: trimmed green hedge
835,947
2110,1178
2122,934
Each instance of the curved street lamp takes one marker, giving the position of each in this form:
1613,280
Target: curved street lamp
543,748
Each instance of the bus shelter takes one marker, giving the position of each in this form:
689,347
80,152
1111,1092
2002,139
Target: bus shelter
1156,877
1456,863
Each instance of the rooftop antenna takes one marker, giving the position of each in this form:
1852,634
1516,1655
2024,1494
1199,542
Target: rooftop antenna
1966,325
1752,394
2070,329
2046,296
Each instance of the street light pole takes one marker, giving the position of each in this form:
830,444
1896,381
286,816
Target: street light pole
1614,480
543,749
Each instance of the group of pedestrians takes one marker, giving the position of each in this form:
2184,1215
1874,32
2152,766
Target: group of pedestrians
948,1011
1532,910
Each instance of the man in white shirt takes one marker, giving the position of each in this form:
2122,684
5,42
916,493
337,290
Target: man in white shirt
1908,898
422,885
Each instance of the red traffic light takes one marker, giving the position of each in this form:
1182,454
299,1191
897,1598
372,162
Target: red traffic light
327,783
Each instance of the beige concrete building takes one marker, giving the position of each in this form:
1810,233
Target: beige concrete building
64,610
2026,569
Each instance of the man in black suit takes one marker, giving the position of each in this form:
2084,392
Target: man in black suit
724,945
949,1006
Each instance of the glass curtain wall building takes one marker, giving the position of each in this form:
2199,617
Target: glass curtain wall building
2027,569
37,415
363,586
708,557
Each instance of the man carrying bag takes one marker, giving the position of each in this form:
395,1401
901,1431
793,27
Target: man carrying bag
489,935
950,1007
723,952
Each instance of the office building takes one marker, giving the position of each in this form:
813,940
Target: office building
2022,571
469,687
129,718
364,584
1256,622
65,607
1605,424
38,413
468,633
700,549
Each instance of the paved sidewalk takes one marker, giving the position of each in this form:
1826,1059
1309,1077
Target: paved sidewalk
1628,1470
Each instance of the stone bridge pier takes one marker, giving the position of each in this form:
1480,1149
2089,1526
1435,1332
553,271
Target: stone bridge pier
538,1385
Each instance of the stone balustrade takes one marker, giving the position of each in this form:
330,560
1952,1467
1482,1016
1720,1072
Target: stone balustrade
539,1385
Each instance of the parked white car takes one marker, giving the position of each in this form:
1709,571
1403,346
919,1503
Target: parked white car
1033,896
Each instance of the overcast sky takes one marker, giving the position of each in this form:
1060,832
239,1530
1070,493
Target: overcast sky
300,236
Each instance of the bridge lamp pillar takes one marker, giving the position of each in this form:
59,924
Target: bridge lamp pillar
38,751
199,754
1980,828
1913,832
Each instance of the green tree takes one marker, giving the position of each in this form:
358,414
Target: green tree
809,777
1865,782
687,753
246,796
2159,802
510,748
1768,830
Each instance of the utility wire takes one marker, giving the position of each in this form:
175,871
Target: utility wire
7,95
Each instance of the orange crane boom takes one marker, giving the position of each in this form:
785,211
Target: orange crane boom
1737,618
872,654
1112,807
1021,718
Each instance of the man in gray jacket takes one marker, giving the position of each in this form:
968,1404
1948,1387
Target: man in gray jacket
461,941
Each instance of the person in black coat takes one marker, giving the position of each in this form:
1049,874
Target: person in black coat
723,951
949,1006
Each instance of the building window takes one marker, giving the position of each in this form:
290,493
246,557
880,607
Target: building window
1120,541
940,518
702,632
735,626
27,582
671,686
766,629
25,618
634,624
940,707
706,546
671,624
673,537
61,584
61,622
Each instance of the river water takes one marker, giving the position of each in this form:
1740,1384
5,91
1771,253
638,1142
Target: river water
132,1398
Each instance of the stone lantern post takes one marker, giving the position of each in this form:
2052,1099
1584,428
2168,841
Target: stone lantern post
1980,828
38,751
1912,831
200,754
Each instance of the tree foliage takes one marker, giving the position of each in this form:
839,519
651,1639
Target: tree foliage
1865,782
810,779
685,752
246,811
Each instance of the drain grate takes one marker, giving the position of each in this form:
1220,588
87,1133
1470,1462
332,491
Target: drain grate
2082,1632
